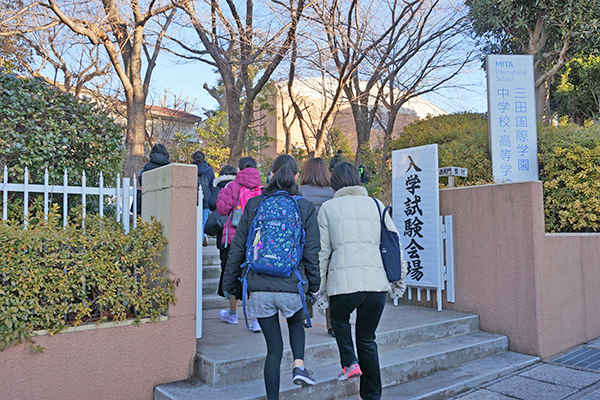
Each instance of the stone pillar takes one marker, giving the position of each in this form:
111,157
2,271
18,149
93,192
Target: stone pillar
170,196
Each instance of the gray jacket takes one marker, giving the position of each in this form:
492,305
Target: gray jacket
316,195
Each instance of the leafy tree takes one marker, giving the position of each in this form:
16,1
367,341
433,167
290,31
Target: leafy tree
578,93
552,31
42,127
213,132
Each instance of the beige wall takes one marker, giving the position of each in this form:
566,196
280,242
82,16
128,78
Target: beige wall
124,362
541,290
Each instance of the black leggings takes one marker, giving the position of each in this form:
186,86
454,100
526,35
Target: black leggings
272,332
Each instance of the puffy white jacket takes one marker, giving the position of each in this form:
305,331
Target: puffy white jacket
350,230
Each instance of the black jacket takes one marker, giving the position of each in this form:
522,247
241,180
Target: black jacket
308,267
206,176
157,159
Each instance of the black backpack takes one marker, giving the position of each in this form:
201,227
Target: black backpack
203,181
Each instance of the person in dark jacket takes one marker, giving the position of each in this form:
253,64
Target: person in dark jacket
226,175
206,176
159,157
271,295
315,187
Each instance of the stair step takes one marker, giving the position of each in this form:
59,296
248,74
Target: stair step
222,361
211,258
214,301
397,366
450,382
211,271
209,286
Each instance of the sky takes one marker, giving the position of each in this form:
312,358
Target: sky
188,80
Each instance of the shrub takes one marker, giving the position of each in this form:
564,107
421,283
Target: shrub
462,142
569,159
569,164
53,277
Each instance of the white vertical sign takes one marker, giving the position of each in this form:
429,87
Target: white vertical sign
512,121
416,205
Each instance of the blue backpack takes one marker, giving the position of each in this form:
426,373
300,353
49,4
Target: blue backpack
275,243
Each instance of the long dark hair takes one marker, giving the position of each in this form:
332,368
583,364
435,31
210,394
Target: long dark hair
284,175
315,172
344,174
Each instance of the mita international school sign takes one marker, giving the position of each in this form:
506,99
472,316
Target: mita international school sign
416,214
512,120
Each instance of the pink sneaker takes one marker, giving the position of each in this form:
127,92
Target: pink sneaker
352,371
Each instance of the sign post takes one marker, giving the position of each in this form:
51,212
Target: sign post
512,120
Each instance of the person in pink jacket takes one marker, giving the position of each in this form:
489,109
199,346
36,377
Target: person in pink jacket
248,177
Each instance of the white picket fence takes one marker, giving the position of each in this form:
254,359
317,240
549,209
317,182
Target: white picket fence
122,194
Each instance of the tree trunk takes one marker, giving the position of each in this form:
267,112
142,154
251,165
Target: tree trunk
543,98
136,134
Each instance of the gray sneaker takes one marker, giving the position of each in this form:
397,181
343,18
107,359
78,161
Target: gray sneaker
303,377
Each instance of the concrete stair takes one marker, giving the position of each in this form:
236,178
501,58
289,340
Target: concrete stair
424,354
211,271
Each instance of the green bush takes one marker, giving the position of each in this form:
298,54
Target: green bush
569,159
569,162
462,142
53,277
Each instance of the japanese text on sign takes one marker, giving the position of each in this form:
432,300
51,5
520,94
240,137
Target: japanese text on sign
512,122
416,197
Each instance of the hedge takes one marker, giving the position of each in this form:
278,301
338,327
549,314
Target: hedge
53,277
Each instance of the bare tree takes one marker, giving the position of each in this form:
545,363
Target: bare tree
427,56
391,42
245,53
130,35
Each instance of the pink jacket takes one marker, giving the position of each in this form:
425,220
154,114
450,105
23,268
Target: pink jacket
228,196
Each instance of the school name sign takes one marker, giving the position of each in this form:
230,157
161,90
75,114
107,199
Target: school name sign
512,119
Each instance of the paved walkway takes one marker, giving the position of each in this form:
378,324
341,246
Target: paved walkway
548,380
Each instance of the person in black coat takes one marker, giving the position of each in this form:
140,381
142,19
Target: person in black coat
271,295
159,157
226,175
206,176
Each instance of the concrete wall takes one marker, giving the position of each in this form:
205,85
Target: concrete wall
123,362
541,290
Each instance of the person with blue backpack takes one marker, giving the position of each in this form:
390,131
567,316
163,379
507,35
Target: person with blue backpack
275,254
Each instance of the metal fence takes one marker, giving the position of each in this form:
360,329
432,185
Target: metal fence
122,195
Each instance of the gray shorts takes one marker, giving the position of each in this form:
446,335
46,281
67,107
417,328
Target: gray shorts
266,304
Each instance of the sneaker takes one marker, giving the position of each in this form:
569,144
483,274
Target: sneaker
254,326
225,316
352,371
302,377
330,332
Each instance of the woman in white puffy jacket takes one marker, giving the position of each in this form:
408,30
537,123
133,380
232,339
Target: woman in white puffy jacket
353,275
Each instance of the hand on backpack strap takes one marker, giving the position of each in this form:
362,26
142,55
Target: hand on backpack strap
398,289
